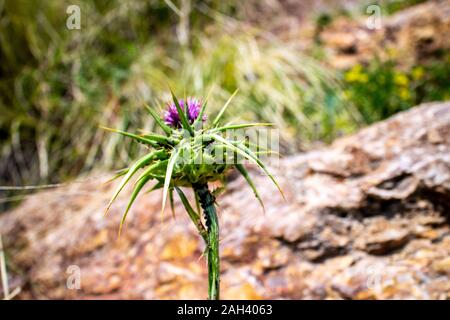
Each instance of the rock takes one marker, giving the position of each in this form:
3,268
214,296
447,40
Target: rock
386,241
365,218
409,36
442,266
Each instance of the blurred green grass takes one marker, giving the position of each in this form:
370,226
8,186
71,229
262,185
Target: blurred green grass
57,85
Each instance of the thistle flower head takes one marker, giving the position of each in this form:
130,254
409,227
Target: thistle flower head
191,157
172,118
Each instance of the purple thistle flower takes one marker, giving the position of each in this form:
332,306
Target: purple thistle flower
172,118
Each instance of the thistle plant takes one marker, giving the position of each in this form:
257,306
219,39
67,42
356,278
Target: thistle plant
192,153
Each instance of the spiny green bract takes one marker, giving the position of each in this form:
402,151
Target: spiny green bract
186,156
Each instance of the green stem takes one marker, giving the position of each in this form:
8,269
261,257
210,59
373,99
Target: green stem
212,246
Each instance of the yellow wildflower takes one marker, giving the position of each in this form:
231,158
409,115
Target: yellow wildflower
417,73
404,94
355,74
400,79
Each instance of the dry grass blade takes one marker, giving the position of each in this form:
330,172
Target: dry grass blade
7,295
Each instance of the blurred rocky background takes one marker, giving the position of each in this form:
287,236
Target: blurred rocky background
366,218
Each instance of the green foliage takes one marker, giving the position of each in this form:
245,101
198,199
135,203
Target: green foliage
381,89
431,80
393,6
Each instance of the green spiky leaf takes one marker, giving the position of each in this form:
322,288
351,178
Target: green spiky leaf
247,155
145,160
184,121
157,186
249,180
172,203
139,185
195,217
202,110
152,170
133,136
159,121
172,160
241,126
159,138
118,175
